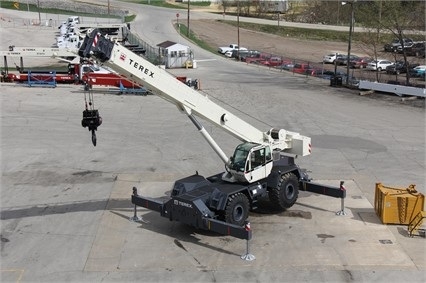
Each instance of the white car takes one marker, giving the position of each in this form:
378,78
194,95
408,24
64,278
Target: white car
330,58
224,49
378,65
229,53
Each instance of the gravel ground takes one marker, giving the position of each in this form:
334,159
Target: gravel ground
220,34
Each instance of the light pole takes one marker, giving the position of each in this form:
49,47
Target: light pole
177,21
38,8
187,32
350,39
338,12
238,28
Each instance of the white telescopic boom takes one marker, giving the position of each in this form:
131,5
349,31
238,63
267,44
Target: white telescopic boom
160,82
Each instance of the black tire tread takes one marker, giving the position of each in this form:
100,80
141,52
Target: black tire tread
232,201
275,193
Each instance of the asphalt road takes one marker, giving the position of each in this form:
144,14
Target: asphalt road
65,204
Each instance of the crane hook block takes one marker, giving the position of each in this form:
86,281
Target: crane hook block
92,121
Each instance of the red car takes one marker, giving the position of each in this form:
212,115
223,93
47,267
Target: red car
258,59
273,62
360,62
303,69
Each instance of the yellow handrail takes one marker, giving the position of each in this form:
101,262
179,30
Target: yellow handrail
416,222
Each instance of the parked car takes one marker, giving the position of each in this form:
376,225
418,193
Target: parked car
336,79
249,54
360,62
399,67
330,58
339,58
233,46
302,68
418,72
326,74
228,53
343,59
258,58
237,54
234,53
407,45
288,66
415,49
378,65
273,62
393,46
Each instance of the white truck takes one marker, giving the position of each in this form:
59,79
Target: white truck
261,166
71,21
231,47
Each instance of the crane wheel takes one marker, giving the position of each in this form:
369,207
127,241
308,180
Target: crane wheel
287,192
237,209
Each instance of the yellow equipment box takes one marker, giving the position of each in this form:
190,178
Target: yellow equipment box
397,206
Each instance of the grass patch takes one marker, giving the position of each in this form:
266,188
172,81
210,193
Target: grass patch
157,3
200,3
303,33
175,5
311,34
130,18
183,30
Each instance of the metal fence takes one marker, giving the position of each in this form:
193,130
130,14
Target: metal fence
152,53
327,71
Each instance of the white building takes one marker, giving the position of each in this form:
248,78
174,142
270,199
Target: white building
175,55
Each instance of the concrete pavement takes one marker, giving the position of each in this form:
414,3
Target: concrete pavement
66,205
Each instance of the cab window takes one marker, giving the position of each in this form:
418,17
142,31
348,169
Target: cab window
257,158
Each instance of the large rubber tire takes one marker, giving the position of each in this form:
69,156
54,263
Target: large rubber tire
237,209
287,192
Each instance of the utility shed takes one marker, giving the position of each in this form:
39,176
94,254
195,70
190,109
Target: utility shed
175,55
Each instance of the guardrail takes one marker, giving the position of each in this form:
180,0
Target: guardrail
328,71
37,79
399,90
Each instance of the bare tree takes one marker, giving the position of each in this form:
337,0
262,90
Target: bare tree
226,4
400,18
245,7
322,11
259,9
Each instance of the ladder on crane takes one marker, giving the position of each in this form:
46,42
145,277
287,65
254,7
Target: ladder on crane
416,223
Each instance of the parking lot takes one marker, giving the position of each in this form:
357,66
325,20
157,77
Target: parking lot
302,51
327,70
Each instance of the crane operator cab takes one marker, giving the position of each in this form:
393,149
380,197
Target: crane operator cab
251,162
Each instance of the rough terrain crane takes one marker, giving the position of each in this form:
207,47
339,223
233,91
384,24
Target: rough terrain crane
262,165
